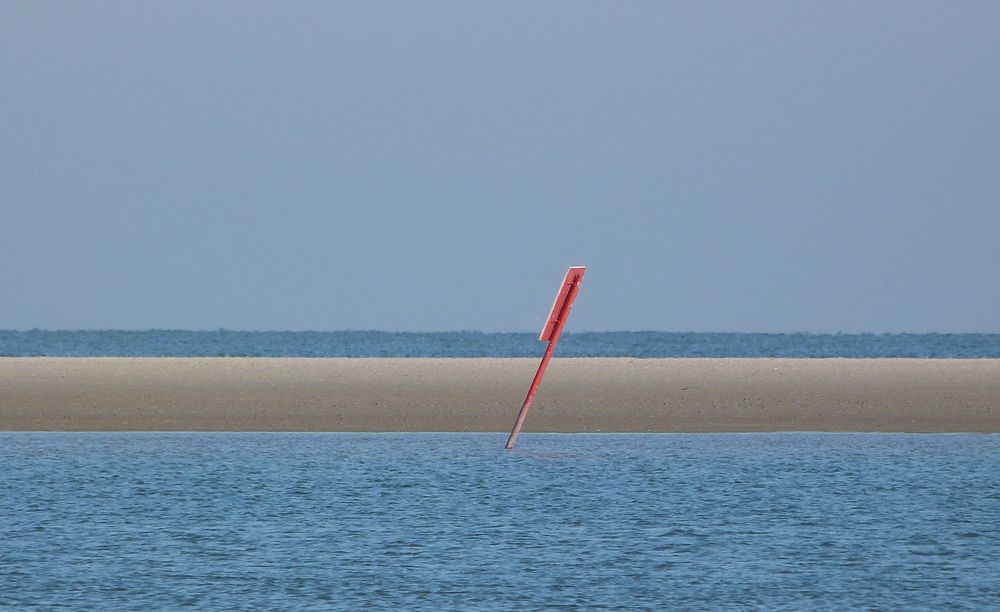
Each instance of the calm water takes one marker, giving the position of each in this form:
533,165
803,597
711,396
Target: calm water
154,343
220,521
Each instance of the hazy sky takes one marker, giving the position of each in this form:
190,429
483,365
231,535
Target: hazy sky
736,166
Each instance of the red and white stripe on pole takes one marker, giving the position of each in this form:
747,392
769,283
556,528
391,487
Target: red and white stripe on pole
550,333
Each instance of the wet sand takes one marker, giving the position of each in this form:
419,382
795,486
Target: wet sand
578,395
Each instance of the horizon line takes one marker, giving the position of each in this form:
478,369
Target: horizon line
494,332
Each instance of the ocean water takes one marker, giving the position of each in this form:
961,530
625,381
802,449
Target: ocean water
178,343
450,521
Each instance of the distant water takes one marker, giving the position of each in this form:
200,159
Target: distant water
450,521
174,343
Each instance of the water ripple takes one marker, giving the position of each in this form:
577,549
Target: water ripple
136,520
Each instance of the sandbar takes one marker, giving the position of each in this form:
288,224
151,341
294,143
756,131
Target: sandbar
484,394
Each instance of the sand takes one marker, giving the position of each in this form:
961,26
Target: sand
578,395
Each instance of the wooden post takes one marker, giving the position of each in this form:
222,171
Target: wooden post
550,333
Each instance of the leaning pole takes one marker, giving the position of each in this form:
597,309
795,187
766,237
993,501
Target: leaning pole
550,333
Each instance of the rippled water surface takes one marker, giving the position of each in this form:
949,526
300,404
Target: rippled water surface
142,520
180,343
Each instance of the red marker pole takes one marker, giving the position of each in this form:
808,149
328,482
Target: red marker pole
550,333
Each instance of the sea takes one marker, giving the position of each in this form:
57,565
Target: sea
423,521
434,521
640,344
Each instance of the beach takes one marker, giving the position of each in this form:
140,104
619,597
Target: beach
484,394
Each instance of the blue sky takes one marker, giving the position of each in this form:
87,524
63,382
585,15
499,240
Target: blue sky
720,166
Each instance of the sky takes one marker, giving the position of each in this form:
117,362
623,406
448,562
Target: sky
717,166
